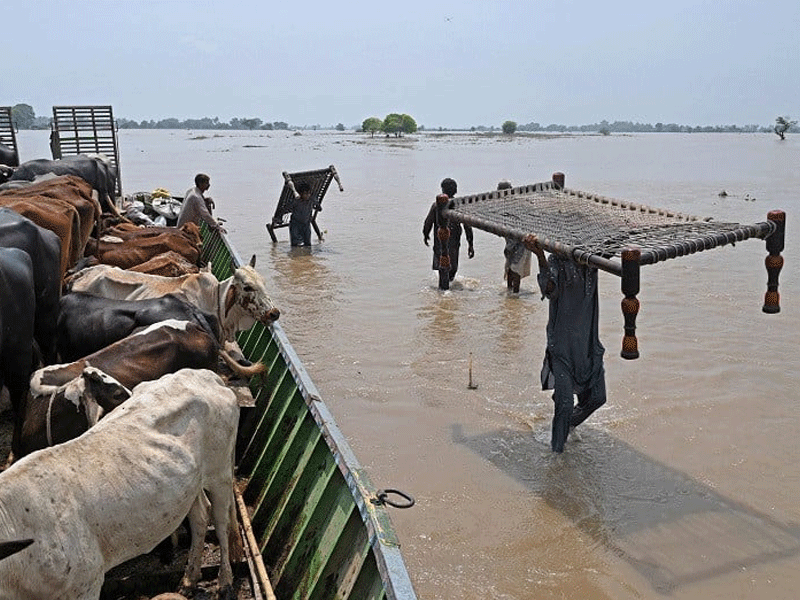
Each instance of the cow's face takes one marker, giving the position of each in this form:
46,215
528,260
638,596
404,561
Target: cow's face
102,390
250,293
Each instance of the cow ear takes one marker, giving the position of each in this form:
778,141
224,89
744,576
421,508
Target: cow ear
253,262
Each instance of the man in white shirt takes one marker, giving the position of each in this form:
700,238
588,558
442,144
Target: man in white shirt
196,207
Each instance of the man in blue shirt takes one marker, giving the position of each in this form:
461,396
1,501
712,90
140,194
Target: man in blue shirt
573,362
300,221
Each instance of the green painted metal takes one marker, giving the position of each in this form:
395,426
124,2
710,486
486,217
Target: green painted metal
311,505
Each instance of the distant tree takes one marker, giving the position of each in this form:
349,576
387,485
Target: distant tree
509,127
280,125
253,123
340,127
23,116
782,125
408,124
393,124
604,131
171,123
127,124
371,125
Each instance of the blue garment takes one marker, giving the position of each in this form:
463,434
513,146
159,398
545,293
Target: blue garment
573,362
299,233
300,221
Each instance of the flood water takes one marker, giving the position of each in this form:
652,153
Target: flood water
683,486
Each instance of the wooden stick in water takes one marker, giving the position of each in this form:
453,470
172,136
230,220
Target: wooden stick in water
471,385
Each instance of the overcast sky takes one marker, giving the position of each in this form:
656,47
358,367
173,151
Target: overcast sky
446,63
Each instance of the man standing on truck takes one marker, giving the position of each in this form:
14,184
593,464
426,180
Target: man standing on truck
196,207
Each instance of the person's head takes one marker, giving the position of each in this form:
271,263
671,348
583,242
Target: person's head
449,186
304,189
505,184
202,181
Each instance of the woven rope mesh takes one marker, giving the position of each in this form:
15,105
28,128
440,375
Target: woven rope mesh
598,225
319,180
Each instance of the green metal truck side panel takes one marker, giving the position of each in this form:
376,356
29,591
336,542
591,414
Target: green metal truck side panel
311,506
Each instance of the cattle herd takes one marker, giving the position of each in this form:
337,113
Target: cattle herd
114,344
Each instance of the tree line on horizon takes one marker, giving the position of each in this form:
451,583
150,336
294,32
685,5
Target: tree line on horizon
396,124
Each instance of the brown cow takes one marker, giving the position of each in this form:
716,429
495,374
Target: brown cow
128,248
167,264
64,205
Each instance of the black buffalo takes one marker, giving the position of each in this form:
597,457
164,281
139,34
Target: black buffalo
44,248
96,170
8,156
89,323
17,300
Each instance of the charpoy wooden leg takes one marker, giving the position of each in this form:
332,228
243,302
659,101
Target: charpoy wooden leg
315,226
271,231
774,262
558,180
443,234
630,304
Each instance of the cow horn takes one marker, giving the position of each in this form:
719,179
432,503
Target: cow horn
9,548
230,299
253,262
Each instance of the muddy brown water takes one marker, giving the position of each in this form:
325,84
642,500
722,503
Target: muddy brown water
683,486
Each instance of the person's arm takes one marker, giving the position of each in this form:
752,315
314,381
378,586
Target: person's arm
546,279
202,212
428,224
468,235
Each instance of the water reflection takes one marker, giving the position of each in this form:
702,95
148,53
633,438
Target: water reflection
305,282
672,529
440,319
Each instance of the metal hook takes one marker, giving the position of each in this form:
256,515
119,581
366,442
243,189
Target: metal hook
381,498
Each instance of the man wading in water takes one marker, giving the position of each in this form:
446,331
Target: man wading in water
450,188
573,361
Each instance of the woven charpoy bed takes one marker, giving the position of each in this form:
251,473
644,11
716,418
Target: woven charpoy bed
611,235
319,180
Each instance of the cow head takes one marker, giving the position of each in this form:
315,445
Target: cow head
103,391
92,390
5,173
248,292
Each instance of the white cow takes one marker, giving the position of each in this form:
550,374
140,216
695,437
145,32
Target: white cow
238,301
122,487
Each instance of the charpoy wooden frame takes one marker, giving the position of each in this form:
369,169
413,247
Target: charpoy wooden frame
631,258
8,135
78,130
319,180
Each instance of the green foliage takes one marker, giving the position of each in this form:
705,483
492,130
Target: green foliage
509,127
397,124
23,116
371,125
782,125
409,125
340,127
393,124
